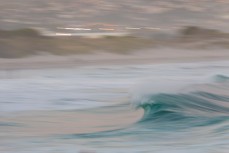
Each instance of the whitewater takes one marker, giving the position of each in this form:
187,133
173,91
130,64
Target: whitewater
160,108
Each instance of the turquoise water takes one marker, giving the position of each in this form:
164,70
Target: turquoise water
197,121
185,108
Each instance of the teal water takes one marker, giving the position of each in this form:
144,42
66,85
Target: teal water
185,109
197,121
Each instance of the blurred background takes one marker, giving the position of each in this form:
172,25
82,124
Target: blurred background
34,27
119,14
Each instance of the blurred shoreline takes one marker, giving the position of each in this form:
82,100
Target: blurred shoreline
159,56
30,49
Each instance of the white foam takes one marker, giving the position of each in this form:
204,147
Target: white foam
97,86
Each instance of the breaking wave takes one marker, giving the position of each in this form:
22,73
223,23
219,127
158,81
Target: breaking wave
184,103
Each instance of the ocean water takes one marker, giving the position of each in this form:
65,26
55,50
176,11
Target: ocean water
163,108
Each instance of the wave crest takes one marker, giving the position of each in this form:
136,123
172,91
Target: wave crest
186,101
